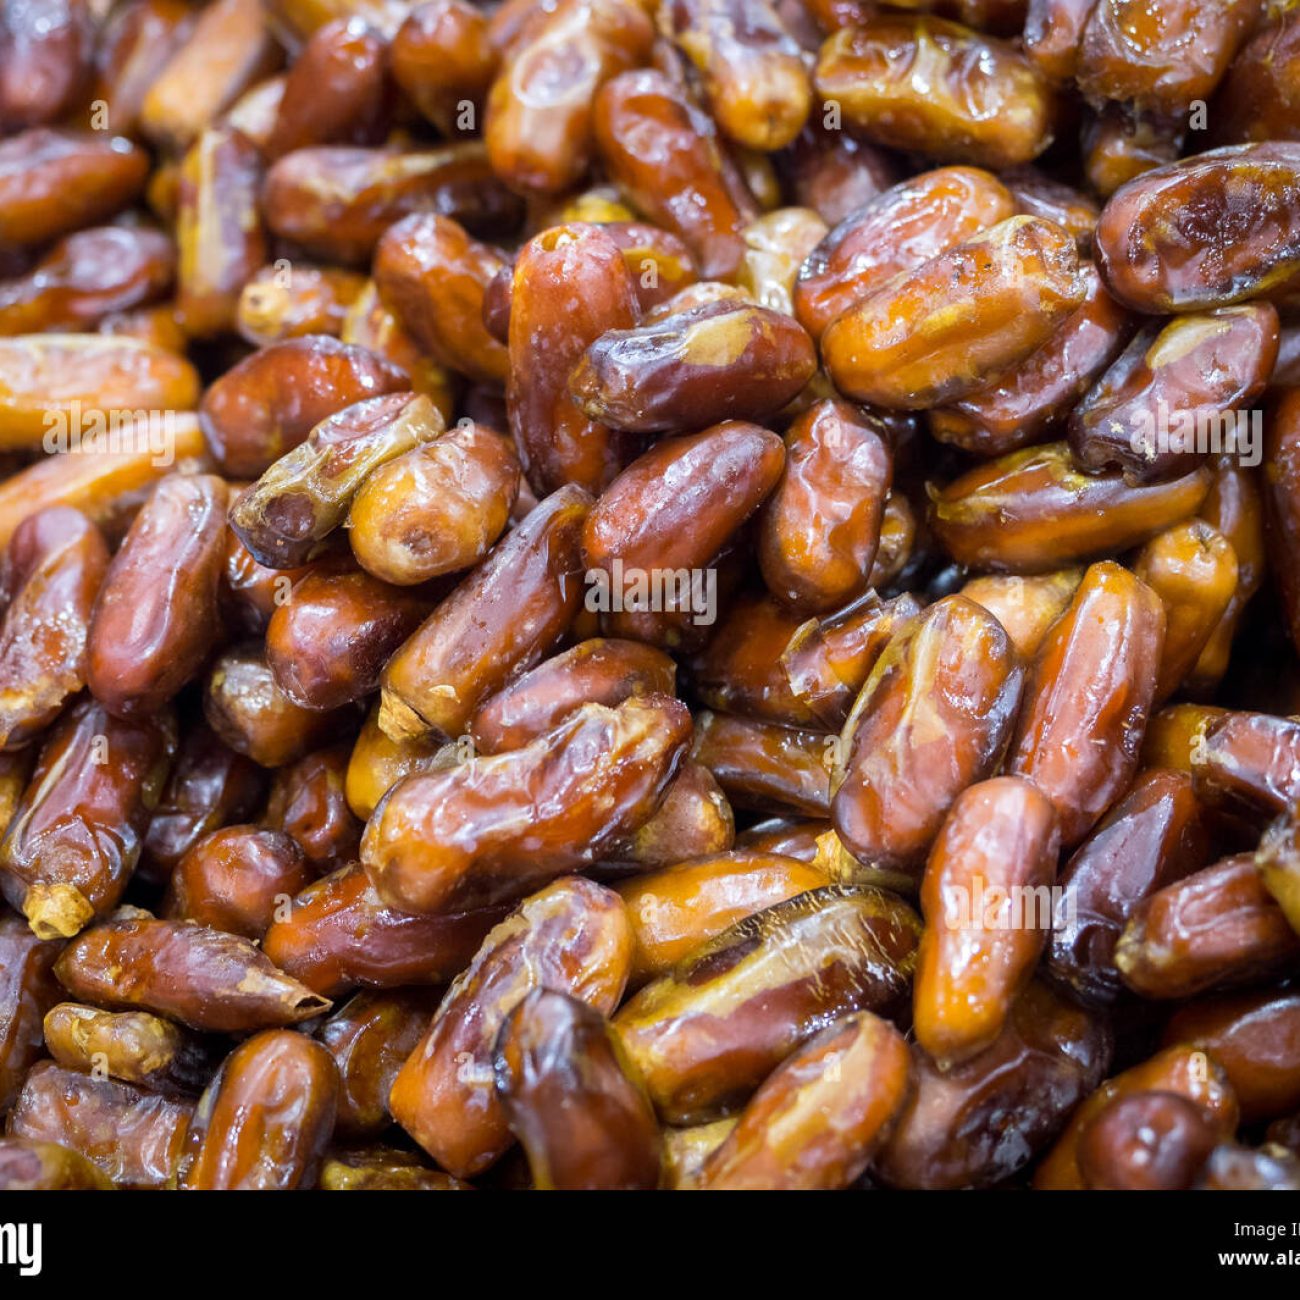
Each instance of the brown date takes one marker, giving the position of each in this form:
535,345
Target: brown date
572,938
933,717
499,622
561,1079
973,311
696,367
28,990
264,1121
705,1035
987,901
338,935
267,404
49,577
1088,695
235,879
816,1120
1154,835
158,614
437,508
897,230
493,829
308,803
925,84
206,979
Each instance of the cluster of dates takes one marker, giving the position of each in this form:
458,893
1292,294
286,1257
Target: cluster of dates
635,593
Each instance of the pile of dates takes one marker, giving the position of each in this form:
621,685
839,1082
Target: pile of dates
628,594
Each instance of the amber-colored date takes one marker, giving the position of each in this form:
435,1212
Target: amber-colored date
563,1084
987,902
972,311
933,717
706,1035
492,829
207,979
264,1121
572,938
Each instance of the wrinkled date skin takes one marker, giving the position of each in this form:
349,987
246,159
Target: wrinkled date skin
987,907
816,1120
896,231
1025,606
599,671
1205,232
437,508
538,125
49,578
1029,402
980,1122
207,979
1258,98
29,1165
821,526
28,990
705,1035
1256,1038
753,75
663,150
338,935
500,621
927,84
1217,927
933,718
329,640
336,201
275,304
563,1084
1152,837
1200,366
1088,695
696,367
245,706
433,276
766,767
492,829
306,493
972,311
1033,511
369,1038
571,285
572,938
157,615
87,276
1247,763
268,403
827,661
133,1046
264,1121
741,670
77,832
1161,56
235,878
132,1136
